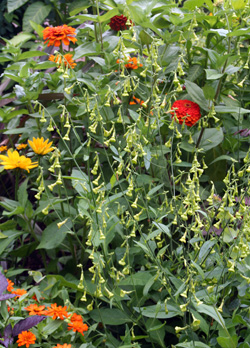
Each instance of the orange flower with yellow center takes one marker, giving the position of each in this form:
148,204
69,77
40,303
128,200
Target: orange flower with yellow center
26,338
21,146
65,345
67,60
10,285
55,35
40,146
14,160
34,309
57,311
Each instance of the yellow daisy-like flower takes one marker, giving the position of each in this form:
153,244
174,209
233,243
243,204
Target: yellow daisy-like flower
14,160
40,146
21,146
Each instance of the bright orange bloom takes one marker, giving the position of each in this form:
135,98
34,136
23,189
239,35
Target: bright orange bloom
10,285
19,292
14,160
57,311
34,309
55,35
34,298
131,63
21,146
65,345
3,148
76,324
40,146
67,60
26,338
136,101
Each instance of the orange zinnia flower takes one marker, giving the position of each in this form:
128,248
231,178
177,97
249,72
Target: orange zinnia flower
3,148
26,338
10,285
19,292
21,146
65,345
67,60
76,324
34,309
57,311
131,63
136,101
55,35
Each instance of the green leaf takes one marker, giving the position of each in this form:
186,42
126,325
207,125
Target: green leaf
38,28
210,139
163,228
37,11
212,312
228,342
22,193
194,72
30,54
193,344
224,157
229,234
146,39
160,312
213,74
109,316
108,15
196,93
52,327
230,110
87,49
11,236
238,4
205,250
2,236
53,236
21,38
78,6
12,5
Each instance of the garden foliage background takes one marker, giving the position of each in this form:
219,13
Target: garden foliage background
125,174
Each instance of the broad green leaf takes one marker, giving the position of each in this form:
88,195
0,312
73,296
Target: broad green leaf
163,228
205,250
191,4
52,327
21,38
193,344
11,236
194,72
228,342
210,138
30,54
53,236
212,312
37,11
37,27
230,109
87,49
224,157
146,39
160,312
22,193
156,330
9,115
2,236
213,74
196,93
239,4
229,234
109,316
12,5
108,15
78,6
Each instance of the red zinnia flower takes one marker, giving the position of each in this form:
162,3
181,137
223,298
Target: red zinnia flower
26,338
118,23
186,111
57,311
55,35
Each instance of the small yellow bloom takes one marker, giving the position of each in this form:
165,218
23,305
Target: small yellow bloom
40,146
21,146
3,148
14,160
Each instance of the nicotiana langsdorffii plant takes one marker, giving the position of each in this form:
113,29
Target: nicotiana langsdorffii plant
133,123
